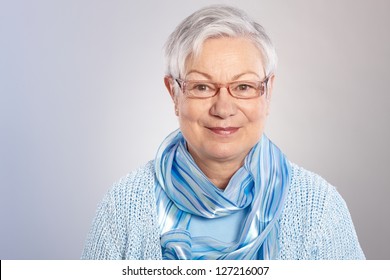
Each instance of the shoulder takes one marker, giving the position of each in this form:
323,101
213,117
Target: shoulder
141,177
131,196
308,187
316,222
136,184
130,202
307,193
125,225
313,193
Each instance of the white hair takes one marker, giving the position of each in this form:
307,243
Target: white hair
213,22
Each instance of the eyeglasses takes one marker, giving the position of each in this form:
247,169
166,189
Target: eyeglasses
238,89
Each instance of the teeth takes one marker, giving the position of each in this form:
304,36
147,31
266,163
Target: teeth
226,131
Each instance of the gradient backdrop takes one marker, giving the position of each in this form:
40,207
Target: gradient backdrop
82,103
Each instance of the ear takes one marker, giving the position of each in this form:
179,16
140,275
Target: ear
168,81
169,85
270,89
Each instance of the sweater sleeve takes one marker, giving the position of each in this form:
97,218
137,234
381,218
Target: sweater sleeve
336,237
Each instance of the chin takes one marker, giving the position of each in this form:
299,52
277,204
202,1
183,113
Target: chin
223,153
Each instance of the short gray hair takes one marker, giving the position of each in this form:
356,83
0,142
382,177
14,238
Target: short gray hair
213,22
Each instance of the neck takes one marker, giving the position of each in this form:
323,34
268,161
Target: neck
218,172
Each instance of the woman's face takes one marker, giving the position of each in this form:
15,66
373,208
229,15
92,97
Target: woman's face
223,128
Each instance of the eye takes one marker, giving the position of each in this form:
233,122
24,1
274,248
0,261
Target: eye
201,87
244,87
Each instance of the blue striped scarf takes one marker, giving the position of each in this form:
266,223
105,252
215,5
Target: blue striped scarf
182,190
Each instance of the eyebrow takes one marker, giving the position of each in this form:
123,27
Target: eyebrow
235,77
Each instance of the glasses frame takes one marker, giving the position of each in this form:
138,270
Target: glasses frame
262,87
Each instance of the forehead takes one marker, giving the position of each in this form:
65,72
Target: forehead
226,56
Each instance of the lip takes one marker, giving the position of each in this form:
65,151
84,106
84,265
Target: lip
224,131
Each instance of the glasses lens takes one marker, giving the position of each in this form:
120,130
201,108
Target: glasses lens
245,89
200,89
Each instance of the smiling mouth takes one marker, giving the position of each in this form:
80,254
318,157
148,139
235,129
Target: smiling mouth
224,131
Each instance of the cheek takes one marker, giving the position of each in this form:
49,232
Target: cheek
191,110
256,112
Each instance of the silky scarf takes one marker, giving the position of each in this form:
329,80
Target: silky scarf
182,190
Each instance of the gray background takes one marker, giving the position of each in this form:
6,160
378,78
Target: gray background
83,103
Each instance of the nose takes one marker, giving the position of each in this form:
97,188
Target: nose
224,105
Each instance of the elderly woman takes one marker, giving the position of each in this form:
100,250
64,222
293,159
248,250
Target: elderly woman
218,187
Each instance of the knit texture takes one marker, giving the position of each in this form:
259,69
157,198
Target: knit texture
315,222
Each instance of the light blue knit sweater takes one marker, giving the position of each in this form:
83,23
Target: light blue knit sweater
315,223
